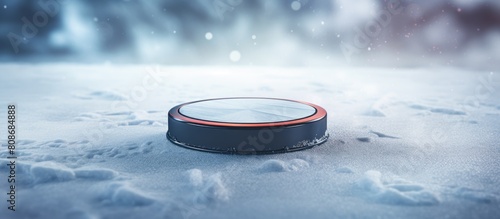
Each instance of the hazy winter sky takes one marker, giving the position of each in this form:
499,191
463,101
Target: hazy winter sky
245,32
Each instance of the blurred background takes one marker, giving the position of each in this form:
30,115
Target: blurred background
391,33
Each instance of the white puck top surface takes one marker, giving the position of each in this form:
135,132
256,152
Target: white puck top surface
247,110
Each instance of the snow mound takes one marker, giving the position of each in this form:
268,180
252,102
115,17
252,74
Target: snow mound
25,142
146,147
121,194
199,193
382,135
275,165
195,177
475,196
95,174
58,143
52,172
395,193
78,214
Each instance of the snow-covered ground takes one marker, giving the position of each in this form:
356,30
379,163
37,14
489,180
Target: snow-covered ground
404,143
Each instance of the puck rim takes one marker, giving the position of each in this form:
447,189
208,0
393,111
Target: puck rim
319,114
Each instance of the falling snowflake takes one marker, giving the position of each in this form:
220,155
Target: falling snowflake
208,36
296,5
234,56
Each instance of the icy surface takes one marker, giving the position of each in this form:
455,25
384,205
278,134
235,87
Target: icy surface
404,143
247,110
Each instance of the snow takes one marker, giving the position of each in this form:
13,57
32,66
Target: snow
247,110
274,165
399,193
95,173
295,5
208,36
91,144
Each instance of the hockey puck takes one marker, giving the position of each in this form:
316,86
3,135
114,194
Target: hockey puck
247,125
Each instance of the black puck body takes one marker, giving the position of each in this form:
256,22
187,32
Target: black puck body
247,125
